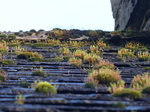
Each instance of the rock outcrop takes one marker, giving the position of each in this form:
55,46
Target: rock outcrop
134,14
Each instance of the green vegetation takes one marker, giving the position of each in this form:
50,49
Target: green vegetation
146,90
6,62
90,85
24,84
104,76
39,73
2,78
27,55
131,93
140,81
45,88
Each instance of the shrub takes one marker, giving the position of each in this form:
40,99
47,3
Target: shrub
127,53
13,45
91,58
43,45
45,88
35,59
90,85
64,51
75,44
135,46
66,58
27,55
95,49
140,81
11,37
3,51
24,84
4,46
131,93
3,36
75,61
101,43
39,73
6,62
143,56
146,90
79,54
105,76
2,78
114,86
105,64
119,105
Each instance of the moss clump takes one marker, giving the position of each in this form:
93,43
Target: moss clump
6,62
45,88
39,73
131,93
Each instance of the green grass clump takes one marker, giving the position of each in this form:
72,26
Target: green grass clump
131,93
143,56
27,55
90,85
6,62
2,78
147,68
140,81
146,90
105,76
13,45
3,51
45,88
35,59
43,45
39,73
119,105
24,84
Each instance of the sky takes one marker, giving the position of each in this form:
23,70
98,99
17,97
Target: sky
25,15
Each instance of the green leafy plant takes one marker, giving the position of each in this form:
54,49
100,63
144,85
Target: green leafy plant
45,88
